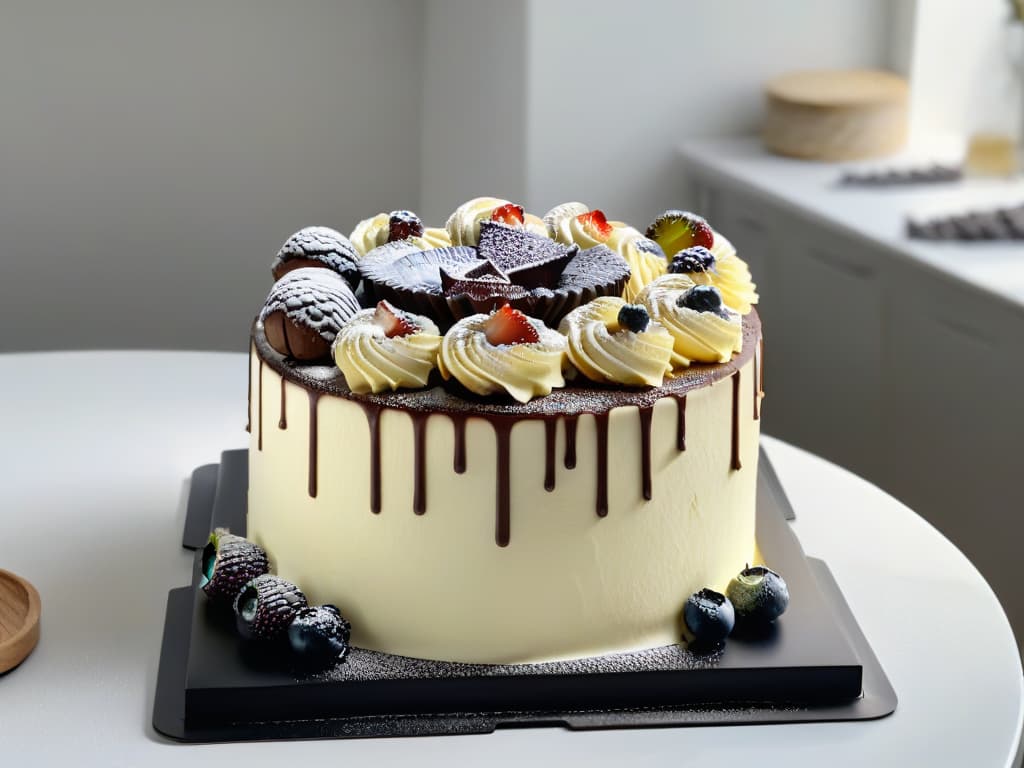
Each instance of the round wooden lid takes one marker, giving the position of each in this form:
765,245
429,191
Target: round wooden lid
19,620
838,88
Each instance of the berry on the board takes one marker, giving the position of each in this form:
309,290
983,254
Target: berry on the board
229,562
702,298
595,224
266,606
403,225
510,326
696,258
510,214
634,317
709,617
675,230
393,321
759,594
319,635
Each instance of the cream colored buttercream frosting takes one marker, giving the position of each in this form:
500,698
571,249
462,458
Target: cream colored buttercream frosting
523,371
464,224
372,362
731,276
645,258
604,352
699,336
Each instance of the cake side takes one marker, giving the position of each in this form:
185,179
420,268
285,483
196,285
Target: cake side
588,567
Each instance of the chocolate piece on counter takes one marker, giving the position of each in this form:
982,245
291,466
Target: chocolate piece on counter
305,310
317,247
995,224
934,174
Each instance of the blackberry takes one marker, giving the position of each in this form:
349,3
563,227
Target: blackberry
694,259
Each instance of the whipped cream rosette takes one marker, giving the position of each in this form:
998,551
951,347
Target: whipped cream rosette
730,275
645,258
703,327
384,348
380,229
503,352
604,349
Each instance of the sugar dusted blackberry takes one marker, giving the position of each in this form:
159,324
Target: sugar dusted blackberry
696,258
265,607
634,317
228,563
317,247
319,636
402,225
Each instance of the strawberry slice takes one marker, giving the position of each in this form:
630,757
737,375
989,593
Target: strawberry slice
510,214
393,321
510,326
595,224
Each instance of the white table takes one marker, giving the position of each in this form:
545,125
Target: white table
95,450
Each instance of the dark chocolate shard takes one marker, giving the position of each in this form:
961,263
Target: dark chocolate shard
411,280
484,269
528,259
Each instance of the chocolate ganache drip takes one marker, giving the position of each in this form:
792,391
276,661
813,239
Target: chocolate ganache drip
563,405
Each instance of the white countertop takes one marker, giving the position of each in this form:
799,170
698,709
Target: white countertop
878,214
94,455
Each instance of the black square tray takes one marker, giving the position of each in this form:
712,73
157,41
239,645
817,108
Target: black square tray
814,664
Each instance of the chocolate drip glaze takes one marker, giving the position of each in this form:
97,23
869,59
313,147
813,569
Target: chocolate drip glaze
282,423
373,421
248,406
760,378
419,436
681,422
259,439
736,421
550,426
571,422
565,404
601,422
757,383
459,425
645,412
314,443
503,502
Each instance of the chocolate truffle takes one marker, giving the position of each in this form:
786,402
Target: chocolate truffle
305,310
317,247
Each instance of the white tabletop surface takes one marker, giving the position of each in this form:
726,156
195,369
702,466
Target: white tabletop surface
95,450
879,214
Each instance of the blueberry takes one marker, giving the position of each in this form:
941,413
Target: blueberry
702,298
709,617
697,258
634,317
319,635
759,594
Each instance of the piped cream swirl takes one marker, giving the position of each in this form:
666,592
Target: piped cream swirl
524,371
371,362
731,276
698,336
464,224
645,258
604,352
373,232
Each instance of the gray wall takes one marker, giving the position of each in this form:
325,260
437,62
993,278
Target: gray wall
154,155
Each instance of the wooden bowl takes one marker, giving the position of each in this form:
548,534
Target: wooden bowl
19,620
835,115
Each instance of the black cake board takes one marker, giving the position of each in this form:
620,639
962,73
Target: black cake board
814,664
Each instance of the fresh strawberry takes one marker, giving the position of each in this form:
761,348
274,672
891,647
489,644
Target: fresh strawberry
393,321
510,326
510,214
595,224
